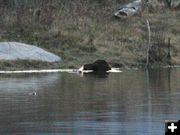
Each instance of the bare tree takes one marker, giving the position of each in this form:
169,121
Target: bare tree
149,43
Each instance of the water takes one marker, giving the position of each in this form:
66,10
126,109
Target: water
133,102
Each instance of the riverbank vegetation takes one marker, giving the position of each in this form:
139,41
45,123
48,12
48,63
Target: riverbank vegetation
81,31
27,65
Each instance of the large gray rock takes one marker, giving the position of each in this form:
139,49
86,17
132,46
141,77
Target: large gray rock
21,51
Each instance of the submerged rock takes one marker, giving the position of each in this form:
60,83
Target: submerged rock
21,51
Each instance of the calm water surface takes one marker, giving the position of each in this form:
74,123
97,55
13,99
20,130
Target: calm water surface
133,102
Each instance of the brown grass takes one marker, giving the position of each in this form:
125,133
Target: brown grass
83,30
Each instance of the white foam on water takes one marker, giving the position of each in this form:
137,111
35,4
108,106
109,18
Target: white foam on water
39,71
113,70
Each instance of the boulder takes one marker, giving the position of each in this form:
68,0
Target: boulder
20,51
130,9
100,66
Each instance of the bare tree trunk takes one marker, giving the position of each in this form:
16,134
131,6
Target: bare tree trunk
149,44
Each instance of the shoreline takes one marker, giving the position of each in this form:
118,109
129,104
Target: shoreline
82,38
113,70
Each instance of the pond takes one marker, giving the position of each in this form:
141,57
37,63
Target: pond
134,102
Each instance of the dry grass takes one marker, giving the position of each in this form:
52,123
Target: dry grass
82,31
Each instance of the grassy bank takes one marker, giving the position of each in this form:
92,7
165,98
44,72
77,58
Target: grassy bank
82,31
27,65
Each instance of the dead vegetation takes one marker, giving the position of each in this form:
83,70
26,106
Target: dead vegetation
81,31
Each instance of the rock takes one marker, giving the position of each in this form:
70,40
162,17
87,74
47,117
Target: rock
21,51
130,9
98,66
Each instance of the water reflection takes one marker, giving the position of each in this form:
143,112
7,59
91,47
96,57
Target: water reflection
97,75
23,82
132,102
